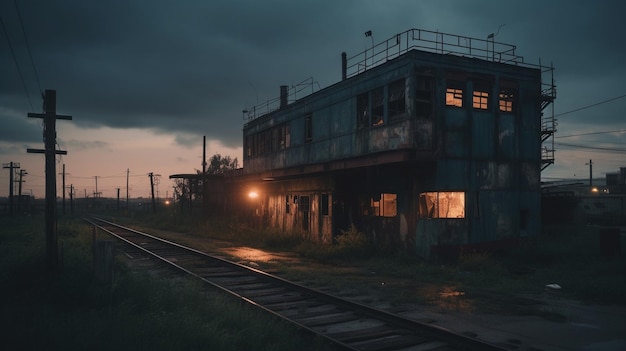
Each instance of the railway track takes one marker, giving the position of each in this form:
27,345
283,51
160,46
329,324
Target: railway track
348,325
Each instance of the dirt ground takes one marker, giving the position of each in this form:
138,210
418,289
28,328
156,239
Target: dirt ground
546,321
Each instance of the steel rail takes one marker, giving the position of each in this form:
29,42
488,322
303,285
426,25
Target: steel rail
408,332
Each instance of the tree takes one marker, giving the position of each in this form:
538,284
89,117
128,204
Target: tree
219,164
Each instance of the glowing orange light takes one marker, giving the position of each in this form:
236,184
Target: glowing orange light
253,194
167,202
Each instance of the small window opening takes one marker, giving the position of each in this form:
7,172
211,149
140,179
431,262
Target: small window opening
454,96
480,100
396,97
308,128
362,107
506,98
324,205
384,206
444,204
424,98
378,107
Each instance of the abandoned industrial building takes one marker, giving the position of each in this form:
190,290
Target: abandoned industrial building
429,142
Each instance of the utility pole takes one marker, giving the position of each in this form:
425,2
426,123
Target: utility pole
19,193
151,175
72,198
50,116
118,199
63,187
204,200
96,193
590,173
127,174
11,166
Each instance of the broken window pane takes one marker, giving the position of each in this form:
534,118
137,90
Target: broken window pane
362,106
396,97
445,204
378,106
506,100
384,206
454,96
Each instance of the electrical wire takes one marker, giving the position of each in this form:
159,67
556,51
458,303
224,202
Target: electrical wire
30,54
19,71
591,133
589,106
592,147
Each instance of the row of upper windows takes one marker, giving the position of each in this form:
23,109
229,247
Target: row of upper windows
480,97
387,103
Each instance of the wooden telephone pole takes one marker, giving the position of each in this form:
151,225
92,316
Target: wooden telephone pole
11,166
49,119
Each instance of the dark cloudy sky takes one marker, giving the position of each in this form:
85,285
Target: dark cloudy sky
145,80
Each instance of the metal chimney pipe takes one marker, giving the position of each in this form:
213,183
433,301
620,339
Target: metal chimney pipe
284,94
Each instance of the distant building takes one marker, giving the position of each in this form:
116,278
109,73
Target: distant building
430,142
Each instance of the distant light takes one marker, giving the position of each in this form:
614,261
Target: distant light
253,194
167,202
594,190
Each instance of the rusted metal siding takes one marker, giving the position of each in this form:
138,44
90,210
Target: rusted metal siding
493,157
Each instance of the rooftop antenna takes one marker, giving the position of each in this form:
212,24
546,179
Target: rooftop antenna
492,36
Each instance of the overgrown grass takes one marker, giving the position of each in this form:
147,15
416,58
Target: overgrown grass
567,255
138,312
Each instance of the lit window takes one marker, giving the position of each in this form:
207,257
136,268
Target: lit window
385,206
443,204
480,100
454,97
506,100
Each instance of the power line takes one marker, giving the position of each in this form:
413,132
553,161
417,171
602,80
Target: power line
592,147
28,47
592,133
589,106
19,71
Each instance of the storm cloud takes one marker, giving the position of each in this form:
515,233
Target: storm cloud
191,67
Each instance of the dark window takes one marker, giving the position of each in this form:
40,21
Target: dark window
304,209
378,106
275,139
324,205
396,100
248,142
308,128
284,136
424,98
362,108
